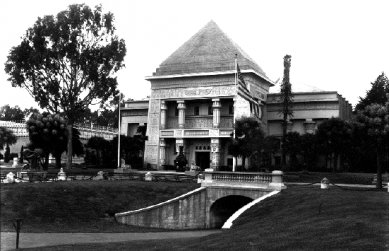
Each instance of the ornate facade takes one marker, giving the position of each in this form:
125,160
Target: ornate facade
195,99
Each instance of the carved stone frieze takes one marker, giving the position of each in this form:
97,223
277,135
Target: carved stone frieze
194,92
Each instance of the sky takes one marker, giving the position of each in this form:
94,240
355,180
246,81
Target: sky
336,45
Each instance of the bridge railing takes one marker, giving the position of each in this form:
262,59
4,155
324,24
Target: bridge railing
273,181
242,177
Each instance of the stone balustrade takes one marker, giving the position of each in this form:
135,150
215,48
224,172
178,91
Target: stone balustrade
273,181
86,132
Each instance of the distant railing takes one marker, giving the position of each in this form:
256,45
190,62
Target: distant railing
86,130
17,127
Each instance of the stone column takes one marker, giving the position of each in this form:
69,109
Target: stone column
162,152
163,114
216,112
215,153
181,113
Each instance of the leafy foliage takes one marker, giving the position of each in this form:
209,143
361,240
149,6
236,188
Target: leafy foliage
287,103
102,151
334,137
377,93
7,137
106,116
48,132
248,139
11,113
375,118
69,61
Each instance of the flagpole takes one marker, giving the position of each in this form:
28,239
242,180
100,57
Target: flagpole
119,125
236,96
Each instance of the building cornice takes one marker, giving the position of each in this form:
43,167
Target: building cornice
201,74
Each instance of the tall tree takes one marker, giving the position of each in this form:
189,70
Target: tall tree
375,117
287,102
11,113
376,94
68,61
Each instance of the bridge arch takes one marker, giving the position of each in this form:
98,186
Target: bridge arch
223,208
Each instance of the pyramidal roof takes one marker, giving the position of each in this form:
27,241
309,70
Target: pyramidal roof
209,50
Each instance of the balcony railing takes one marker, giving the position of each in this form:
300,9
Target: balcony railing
200,122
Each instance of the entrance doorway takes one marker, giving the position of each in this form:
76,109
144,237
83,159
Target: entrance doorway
203,159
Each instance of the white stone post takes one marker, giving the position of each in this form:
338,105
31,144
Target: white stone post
277,181
61,175
148,176
181,113
162,152
163,114
216,112
15,162
215,153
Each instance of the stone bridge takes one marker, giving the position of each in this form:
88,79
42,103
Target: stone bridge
221,194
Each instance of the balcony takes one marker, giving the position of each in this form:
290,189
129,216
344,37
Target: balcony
196,133
200,122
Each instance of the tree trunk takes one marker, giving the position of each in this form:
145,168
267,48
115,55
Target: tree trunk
58,161
379,166
283,142
70,145
335,162
46,163
244,163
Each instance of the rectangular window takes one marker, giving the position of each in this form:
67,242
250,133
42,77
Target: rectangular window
176,112
231,109
196,110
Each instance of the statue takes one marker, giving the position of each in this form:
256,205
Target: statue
180,162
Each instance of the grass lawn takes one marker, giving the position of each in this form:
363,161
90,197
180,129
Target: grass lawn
337,178
81,206
299,218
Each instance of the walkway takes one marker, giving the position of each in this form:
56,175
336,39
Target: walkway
29,240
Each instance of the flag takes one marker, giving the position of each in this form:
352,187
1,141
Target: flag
240,76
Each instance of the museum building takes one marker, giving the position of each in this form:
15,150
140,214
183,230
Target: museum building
196,94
